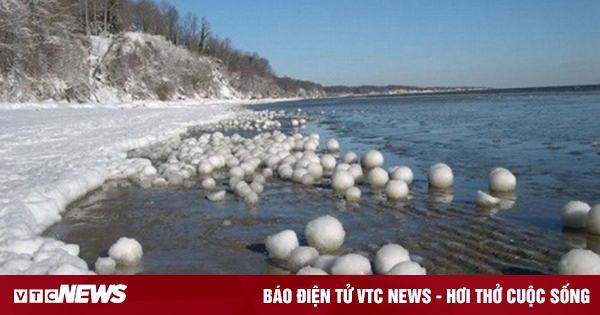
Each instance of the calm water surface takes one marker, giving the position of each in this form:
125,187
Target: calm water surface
551,141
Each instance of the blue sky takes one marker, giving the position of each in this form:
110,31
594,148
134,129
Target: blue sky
506,43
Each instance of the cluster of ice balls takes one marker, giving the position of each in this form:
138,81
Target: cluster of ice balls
125,252
579,215
247,163
325,235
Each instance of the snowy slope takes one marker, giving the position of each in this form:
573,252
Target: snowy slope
52,154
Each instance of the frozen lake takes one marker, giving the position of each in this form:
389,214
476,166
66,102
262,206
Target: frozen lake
550,140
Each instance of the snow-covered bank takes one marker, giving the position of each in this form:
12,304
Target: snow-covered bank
52,154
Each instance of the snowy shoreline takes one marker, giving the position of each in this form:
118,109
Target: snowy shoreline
52,154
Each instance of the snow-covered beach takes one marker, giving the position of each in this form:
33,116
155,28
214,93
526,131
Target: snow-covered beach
51,154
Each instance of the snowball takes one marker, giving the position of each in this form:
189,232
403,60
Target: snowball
302,256
257,187
105,266
217,196
372,159
209,183
388,256
396,189
593,220
267,173
237,172
485,200
378,177
325,233
328,162
280,245
307,180
205,169
351,264
251,198
402,173
357,172
575,214
341,181
315,170
501,179
579,262
333,146
407,268
126,252
352,194
350,157
440,176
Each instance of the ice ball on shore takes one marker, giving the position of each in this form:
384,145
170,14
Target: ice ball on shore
440,176
372,159
378,177
297,175
205,169
301,257
209,183
257,187
407,268
352,264
342,181
126,251
160,182
575,214
356,172
350,157
403,173
352,194
267,173
579,262
307,180
175,179
105,266
148,170
315,170
328,162
251,198
325,233
486,200
237,171
396,189
593,220
388,256
333,146
285,172
281,245
501,179
217,196
311,271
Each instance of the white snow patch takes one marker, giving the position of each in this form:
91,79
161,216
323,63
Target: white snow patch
52,154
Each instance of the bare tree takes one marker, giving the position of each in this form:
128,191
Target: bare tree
204,36
171,21
189,30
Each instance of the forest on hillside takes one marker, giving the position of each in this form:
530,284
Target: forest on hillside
45,47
